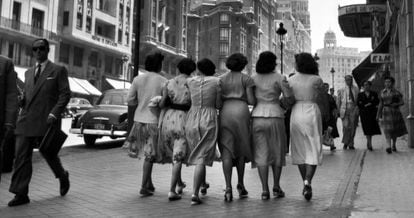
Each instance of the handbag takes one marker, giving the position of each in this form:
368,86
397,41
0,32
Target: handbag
52,142
327,137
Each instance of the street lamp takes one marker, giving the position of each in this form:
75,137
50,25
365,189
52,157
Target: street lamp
124,60
333,78
281,31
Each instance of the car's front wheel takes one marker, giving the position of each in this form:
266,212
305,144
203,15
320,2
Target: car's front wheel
89,140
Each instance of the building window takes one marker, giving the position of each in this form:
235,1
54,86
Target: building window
224,18
77,56
66,18
79,16
93,59
37,22
222,64
126,38
119,36
224,48
64,53
108,64
224,34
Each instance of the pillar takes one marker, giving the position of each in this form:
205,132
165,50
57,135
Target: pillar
410,68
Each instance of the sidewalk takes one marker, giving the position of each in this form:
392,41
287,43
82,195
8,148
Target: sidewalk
386,185
105,183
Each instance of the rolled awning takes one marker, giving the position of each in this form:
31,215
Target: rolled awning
366,69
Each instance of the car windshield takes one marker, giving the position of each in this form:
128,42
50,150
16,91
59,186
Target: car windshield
113,99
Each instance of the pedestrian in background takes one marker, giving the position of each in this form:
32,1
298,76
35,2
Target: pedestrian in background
306,120
348,111
144,91
45,98
173,147
8,104
367,104
268,125
202,124
329,123
389,115
234,132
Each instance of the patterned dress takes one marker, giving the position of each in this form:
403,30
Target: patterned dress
172,142
392,121
201,127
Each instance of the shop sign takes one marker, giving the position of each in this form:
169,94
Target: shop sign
354,9
104,41
380,58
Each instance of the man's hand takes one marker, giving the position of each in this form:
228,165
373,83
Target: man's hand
51,119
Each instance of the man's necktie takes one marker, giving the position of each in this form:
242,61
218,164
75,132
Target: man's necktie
37,74
351,95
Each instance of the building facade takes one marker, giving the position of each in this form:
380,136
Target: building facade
21,23
225,27
96,40
341,60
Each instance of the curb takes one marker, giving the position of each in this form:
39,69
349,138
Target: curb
346,192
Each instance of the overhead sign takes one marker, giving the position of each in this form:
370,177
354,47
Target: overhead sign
380,58
361,8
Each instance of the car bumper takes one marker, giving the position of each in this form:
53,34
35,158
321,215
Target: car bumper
118,133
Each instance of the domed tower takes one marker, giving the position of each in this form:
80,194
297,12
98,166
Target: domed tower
330,39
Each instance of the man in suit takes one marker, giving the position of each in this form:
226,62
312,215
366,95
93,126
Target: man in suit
46,96
8,102
348,111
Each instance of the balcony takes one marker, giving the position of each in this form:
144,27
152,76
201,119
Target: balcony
168,48
27,29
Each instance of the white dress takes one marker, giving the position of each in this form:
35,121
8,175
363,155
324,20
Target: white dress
306,120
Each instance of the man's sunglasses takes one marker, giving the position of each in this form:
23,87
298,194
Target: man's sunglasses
40,48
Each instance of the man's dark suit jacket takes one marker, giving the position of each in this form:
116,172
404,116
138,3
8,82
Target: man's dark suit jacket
49,95
8,93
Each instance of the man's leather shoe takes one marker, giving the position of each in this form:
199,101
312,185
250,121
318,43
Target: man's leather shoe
64,184
19,200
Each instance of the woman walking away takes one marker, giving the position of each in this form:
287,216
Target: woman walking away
367,104
306,121
389,114
173,144
202,124
234,132
268,129
145,130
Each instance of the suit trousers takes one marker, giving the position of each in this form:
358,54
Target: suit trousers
23,164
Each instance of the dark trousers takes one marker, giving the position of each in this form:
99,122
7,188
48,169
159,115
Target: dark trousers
23,165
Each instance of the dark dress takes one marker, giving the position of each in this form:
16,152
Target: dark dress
368,113
332,118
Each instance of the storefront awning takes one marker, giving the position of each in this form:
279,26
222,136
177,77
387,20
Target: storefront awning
76,88
366,69
118,84
88,86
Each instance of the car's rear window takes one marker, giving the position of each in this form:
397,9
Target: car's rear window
113,99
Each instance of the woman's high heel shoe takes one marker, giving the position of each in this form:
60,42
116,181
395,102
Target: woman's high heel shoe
228,195
204,188
243,193
265,195
195,200
180,188
278,193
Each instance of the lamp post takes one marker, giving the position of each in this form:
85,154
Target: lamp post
281,31
124,71
333,78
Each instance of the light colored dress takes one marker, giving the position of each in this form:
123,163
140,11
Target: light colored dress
144,132
268,128
202,124
392,121
306,120
234,133
172,141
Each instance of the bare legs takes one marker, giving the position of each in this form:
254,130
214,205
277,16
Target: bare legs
228,169
199,179
391,142
369,142
147,186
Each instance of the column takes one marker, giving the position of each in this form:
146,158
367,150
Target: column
410,68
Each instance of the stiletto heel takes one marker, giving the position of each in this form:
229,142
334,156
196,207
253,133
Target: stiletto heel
278,193
243,193
204,188
180,188
195,200
265,195
228,195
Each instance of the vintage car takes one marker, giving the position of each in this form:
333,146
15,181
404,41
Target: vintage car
107,118
77,105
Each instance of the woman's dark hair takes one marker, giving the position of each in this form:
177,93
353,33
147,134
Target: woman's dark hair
236,62
186,66
369,83
390,78
206,67
305,63
153,62
266,62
